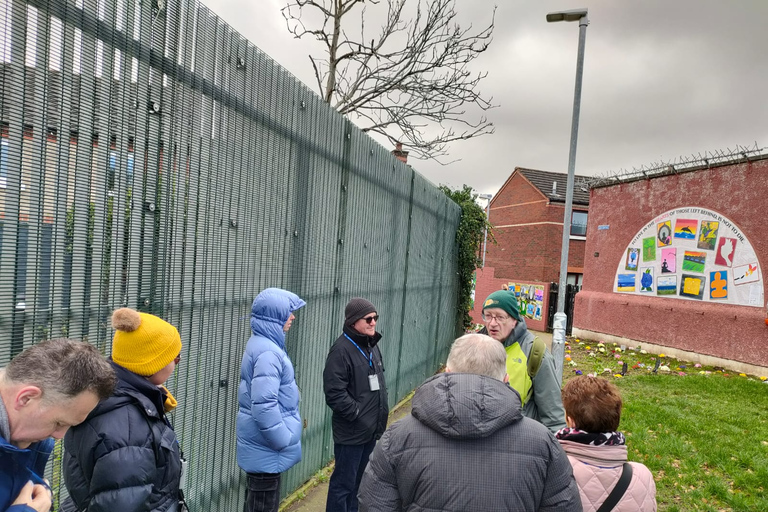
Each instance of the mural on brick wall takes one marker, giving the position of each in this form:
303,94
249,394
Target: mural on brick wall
530,299
694,254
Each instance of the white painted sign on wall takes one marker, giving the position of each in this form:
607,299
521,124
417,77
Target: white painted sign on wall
691,253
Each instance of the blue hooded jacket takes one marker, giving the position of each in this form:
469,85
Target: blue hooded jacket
19,466
268,422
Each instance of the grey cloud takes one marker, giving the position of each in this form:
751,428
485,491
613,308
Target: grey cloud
662,79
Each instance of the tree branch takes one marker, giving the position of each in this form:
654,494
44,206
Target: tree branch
412,82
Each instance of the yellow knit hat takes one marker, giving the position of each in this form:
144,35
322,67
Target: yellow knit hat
143,343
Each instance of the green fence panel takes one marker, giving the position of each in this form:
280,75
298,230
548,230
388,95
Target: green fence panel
152,157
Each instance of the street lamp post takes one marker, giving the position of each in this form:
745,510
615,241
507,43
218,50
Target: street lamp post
560,321
488,198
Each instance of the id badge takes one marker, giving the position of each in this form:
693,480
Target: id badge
373,382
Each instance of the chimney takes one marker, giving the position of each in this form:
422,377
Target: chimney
554,188
399,153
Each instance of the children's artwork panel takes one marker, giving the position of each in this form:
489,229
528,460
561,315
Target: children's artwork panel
691,253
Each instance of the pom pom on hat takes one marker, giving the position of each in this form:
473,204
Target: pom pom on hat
143,344
126,320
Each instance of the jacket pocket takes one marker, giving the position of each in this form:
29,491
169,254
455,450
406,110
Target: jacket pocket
171,465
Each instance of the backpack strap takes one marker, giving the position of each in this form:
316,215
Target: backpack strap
535,356
618,491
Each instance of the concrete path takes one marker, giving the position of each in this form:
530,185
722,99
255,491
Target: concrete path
314,497
314,500
546,336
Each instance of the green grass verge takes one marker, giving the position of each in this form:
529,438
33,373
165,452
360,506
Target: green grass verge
703,432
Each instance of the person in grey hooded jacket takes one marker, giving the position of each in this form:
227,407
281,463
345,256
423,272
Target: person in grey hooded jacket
467,446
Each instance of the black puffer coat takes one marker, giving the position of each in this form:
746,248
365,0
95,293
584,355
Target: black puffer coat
125,456
467,446
359,414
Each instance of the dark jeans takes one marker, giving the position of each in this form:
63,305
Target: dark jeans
345,480
262,494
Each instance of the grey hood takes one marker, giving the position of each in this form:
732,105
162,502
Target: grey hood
465,406
521,335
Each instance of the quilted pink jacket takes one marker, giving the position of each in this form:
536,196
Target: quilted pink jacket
597,469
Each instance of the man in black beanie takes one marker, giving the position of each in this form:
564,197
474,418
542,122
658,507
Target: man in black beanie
355,390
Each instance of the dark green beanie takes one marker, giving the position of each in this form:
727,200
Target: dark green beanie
506,300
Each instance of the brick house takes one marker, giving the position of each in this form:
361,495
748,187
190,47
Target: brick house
527,218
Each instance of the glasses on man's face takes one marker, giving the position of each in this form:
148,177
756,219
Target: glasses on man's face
499,318
371,319
177,360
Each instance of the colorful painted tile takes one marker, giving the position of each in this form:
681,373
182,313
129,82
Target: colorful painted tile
664,233
646,279
649,249
694,261
531,309
746,273
633,256
692,286
666,285
726,248
669,260
625,283
708,235
538,294
686,228
718,285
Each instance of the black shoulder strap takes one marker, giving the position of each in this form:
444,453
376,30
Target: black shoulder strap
618,492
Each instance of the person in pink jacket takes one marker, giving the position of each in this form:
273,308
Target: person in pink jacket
597,450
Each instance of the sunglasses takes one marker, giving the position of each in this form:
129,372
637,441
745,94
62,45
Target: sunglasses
177,359
370,319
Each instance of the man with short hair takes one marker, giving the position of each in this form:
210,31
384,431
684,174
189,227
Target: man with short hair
46,389
467,446
541,394
355,390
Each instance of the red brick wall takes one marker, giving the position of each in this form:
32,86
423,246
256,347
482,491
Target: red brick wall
487,283
739,333
529,234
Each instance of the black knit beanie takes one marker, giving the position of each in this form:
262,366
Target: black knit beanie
356,309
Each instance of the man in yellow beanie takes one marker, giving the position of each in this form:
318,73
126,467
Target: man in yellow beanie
120,458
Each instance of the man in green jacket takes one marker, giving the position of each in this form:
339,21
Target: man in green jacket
540,394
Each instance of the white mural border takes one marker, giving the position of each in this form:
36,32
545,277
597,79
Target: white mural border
691,253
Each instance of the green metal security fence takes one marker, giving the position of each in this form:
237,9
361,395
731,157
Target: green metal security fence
152,157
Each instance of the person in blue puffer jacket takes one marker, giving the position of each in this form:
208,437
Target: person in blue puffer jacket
268,422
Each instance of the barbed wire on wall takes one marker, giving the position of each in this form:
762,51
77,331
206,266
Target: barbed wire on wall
678,165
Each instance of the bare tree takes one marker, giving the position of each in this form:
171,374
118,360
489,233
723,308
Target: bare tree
409,81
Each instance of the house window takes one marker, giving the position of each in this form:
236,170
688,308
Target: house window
579,223
574,279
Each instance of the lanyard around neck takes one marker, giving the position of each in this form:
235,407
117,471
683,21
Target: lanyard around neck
369,356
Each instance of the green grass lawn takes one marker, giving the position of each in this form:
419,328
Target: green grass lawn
703,435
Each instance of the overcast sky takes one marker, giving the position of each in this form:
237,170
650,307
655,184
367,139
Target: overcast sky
662,79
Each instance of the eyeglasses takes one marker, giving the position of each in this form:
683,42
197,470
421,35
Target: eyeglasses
370,319
177,360
499,318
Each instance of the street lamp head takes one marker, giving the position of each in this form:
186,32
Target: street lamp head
485,196
571,15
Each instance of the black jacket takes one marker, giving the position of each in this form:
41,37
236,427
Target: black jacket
466,446
125,456
359,414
